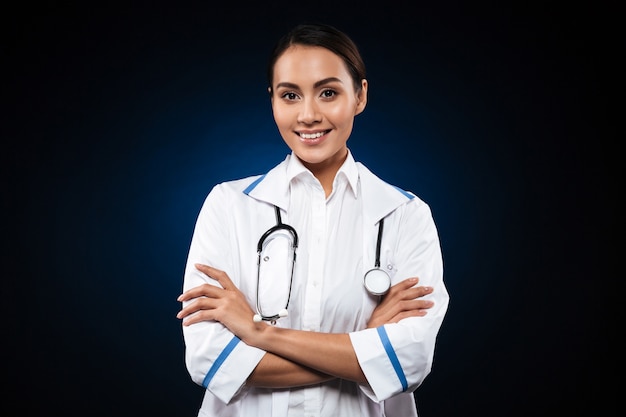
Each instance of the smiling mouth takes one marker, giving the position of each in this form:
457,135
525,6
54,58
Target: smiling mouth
312,135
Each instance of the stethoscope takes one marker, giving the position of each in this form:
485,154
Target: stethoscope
376,281
263,241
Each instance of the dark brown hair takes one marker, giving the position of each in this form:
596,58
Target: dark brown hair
324,36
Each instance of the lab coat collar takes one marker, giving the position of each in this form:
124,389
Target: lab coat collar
379,198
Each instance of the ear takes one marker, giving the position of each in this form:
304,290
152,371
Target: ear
361,97
269,92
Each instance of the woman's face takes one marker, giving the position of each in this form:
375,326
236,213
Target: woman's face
314,104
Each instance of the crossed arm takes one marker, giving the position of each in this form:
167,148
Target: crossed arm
294,357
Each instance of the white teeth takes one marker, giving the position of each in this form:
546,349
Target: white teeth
312,135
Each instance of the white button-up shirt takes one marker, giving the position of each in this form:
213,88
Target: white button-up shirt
337,239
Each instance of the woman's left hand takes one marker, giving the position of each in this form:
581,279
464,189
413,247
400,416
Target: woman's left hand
210,302
403,300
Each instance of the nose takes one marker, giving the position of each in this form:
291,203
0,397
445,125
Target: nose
309,112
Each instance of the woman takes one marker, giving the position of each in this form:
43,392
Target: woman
280,323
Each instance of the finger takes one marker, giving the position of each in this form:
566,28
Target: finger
204,290
410,313
406,283
203,315
403,285
218,275
198,305
413,305
426,290
413,292
410,293
413,309
417,305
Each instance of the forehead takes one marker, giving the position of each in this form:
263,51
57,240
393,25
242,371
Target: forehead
299,64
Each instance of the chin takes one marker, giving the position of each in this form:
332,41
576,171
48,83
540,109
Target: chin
316,157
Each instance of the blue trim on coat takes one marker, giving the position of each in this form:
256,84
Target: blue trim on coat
382,333
405,193
251,187
220,360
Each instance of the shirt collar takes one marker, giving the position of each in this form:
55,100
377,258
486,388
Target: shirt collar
348,170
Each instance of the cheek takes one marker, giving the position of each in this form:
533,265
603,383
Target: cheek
281,117
341,116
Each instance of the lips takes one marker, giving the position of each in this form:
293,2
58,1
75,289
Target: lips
312,139
315,135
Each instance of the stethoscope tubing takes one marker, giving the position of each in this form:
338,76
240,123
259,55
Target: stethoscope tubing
376,281
294,235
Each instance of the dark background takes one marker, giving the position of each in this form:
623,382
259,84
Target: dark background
118,119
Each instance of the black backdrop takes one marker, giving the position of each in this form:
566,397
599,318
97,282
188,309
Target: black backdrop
118,119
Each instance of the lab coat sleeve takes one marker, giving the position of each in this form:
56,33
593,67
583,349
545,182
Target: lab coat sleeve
215,357
397,357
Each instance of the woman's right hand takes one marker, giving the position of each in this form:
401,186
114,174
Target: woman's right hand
403,300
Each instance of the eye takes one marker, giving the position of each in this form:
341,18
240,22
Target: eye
328,93
289,96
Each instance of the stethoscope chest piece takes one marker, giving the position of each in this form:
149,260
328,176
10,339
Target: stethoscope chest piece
377,281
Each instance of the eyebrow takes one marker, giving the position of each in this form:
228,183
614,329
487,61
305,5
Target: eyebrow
316,85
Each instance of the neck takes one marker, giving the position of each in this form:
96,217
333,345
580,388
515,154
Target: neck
326,171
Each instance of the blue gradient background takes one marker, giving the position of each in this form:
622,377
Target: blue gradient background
119,120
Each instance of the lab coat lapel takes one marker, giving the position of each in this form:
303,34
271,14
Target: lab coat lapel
379,197
273,187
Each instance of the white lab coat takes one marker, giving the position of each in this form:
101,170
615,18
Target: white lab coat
395,358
